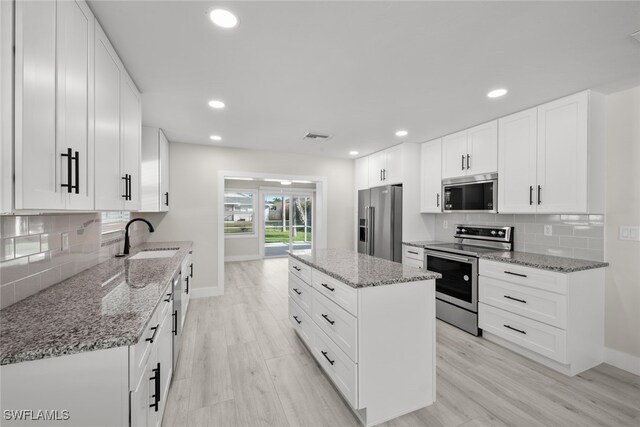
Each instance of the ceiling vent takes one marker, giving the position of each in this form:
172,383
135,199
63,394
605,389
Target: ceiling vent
316,137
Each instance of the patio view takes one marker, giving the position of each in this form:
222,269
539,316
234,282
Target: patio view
287,224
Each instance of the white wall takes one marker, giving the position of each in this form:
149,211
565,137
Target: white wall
622,298
194,211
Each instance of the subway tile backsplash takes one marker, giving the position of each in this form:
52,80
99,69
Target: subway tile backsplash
31,254
573,236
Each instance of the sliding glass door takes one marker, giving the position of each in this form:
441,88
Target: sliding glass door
287,223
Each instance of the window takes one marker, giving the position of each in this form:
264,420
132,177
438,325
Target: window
114,221
239,212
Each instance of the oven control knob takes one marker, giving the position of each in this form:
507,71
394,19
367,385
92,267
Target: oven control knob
500,233
493,232
463,230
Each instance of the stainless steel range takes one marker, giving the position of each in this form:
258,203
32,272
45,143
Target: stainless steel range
457,291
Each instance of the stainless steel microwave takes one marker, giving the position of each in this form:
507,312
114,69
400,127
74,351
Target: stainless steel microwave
478,193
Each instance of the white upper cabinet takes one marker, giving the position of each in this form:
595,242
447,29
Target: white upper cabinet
552,158
517,162
362,173
385,167
118,131
431,177
155,170
472,151
562,155
54,156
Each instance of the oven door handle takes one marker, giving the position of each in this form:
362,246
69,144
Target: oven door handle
448,256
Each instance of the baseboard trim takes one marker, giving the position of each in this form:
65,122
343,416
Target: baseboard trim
241,258
211,291
625,361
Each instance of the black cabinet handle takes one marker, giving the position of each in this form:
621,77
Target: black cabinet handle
153,337
156,379
463,162
468,162
126,186
515,274
539,191
295,267
69,157
412,252
166,198
531,195
77,170
514,329
324,353
191,270
187,289
381,175
515,299
129,187
175,322
168,299
437,200
326,317
297,291
296,319
328,287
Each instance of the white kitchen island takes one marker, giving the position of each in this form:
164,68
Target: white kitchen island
370,324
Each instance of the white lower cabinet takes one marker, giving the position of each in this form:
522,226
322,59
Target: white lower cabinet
376,344
554,318
413,256
187,279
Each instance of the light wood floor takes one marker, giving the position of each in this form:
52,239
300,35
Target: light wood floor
242,365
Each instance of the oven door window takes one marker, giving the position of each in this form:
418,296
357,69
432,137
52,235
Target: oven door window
457,279
470,197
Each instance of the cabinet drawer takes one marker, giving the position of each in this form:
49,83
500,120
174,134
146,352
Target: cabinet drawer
343,295
300,292
532,277
413,253
337,323
142,349
300,269
301,322
536,336
413,262
543,306
342,370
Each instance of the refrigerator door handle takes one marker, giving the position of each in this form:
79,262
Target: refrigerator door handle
370,224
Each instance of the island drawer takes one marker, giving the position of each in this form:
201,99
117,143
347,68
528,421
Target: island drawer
535,336
300,292
300,269
342,370
301,322
413,252
337,323
543,306
527,276
343,295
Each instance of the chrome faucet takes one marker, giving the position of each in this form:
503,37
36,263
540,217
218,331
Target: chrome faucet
127,245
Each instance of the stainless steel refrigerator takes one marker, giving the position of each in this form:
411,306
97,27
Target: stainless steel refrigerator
380,222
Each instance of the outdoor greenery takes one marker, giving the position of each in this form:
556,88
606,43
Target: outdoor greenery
276,235
238,227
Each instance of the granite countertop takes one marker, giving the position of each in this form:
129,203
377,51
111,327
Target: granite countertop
544,262
105,306
359,270
423,243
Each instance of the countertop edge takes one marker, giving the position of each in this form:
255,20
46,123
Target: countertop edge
594,265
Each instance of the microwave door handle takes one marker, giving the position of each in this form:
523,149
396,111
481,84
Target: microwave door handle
448,256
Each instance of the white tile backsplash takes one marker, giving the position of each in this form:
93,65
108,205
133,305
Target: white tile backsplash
573,236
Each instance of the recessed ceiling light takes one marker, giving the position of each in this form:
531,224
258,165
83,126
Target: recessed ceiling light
223,18
402,133
215,138
496,93
285,182
353,153
214,103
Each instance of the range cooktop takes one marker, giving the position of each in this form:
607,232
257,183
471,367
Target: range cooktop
458,248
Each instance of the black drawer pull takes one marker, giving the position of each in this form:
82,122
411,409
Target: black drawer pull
166,195
412,252
187,288
297,291
175,322
153,337
156,379
514,329
328,287
515,274
295,267
515,299
324,353
296,319
168,297
191,270
326,317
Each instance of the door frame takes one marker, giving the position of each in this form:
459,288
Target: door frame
286,192
320,210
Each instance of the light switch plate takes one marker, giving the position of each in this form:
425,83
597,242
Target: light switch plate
629,232
445,224
65,241
548,230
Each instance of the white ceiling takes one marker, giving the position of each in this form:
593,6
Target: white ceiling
362,70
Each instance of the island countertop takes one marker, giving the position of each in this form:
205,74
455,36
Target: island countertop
105,306
359,270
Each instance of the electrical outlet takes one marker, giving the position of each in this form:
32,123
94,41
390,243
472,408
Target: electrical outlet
445,224
629,232
548,230
65,241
